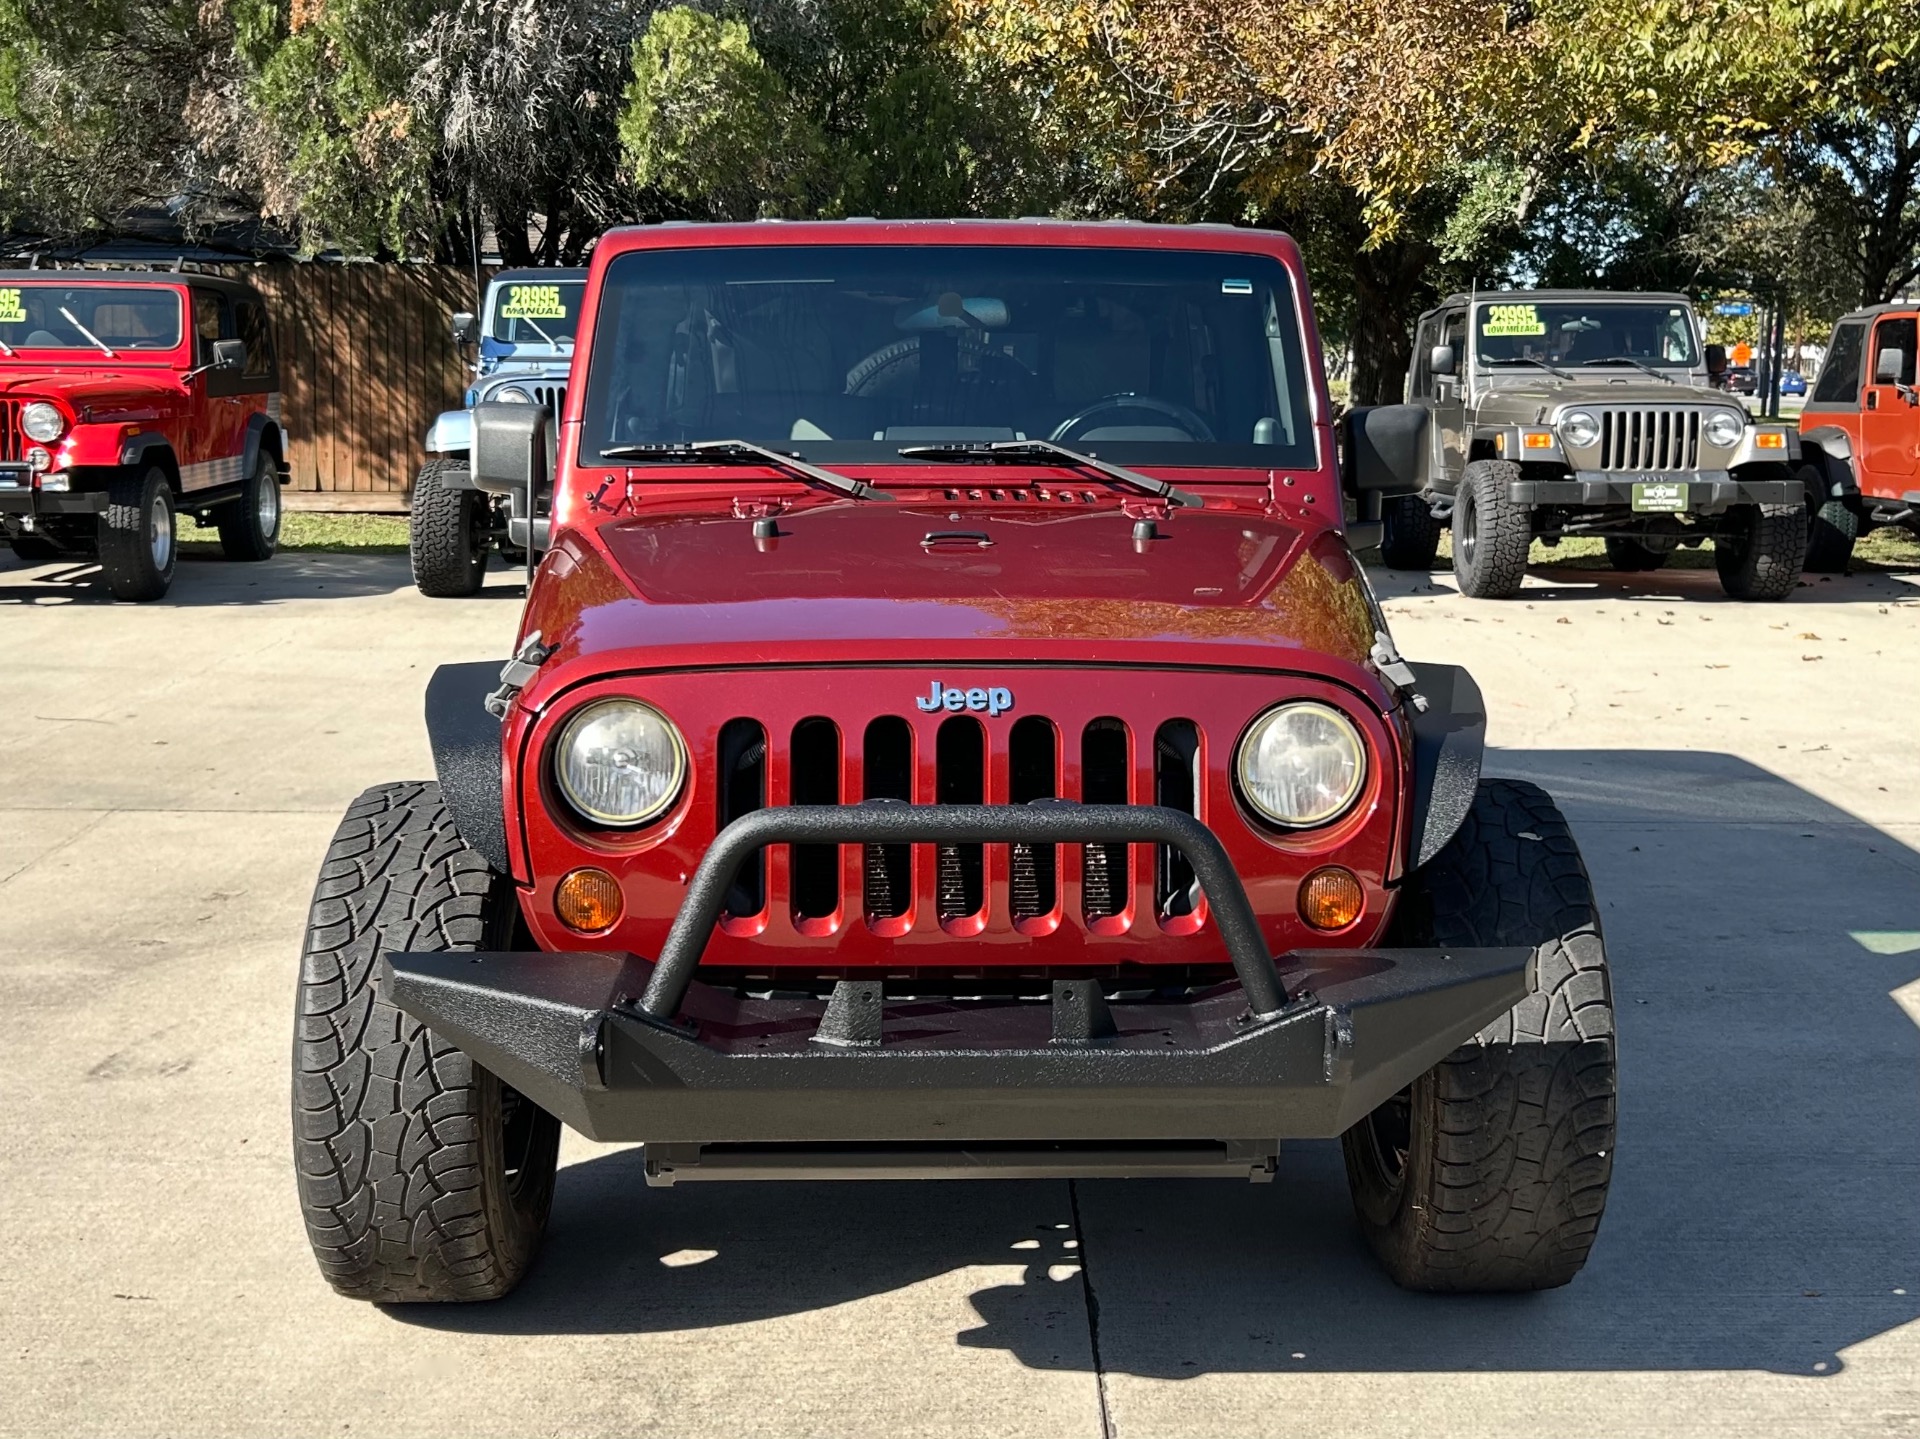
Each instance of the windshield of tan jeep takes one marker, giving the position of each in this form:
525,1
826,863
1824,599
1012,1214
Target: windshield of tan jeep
850,352
122,317
1589,332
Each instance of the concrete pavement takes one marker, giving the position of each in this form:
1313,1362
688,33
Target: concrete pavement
1742,779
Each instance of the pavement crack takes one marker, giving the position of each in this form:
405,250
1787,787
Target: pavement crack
1093,1310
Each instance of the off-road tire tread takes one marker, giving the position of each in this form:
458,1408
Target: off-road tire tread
386,1115
1521,1118
238,523
126,559
1768,563
1832,527
1500,557
447,562
1409,534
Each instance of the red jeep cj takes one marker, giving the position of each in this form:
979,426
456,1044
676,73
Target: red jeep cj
950,736
125,397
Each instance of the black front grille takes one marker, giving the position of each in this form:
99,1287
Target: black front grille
12,442
1649,439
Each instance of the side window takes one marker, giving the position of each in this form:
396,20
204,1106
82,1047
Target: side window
1839,382
208,312
252,318
1422,379
1895,334
1453,331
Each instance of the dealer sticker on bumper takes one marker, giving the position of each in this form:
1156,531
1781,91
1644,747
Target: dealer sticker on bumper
1660,497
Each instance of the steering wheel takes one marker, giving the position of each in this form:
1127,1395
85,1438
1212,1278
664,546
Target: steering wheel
1077,423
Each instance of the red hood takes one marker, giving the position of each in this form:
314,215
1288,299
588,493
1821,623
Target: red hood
1243,585
144,390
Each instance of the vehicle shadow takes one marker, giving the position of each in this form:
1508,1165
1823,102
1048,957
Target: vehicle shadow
203,578
1766,957
1561,584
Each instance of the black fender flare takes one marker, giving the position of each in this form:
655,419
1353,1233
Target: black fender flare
139,451
262,430
1829,449
466,756
1449,742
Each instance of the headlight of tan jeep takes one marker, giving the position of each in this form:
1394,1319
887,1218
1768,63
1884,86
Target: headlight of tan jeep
619,762
42,422
1579,429
1724,428
512,395
1301,764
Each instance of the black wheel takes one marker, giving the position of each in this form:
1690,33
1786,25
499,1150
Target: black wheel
1409,534
1491,534
34,549
1490,1172
250,526
421,1175
136,535
1832,527
1759,550
1631,556
447,535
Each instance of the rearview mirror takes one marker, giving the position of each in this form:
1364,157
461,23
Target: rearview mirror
1383,449
229,354
1440,359
466,329
1887,366
513,450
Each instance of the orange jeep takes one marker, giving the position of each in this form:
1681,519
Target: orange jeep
1861,431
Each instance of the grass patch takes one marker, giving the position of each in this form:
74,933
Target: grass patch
315,532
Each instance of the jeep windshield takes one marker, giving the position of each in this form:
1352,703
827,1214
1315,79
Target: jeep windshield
1592,333
851,353
65,316
537,312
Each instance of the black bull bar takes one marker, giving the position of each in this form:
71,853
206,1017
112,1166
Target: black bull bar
623,1049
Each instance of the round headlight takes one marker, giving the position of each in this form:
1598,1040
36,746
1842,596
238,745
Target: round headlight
42,422
619,762
1301,764
1579,429
1724,428
512,395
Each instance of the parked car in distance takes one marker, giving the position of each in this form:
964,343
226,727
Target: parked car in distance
1741,381
1792,382
524,337
950,736
127,397
1861,424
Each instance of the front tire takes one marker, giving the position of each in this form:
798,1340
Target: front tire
447,536
250,526
1632,557
1490,1172
1832,527
1491,534
137,550
1759,550
421,1175
1409,534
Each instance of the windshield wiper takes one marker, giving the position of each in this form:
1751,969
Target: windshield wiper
1529,360
1014,450
535,324
99,343
744,452
1629,360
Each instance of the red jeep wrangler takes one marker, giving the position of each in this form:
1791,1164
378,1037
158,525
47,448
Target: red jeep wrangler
1860,432
125,397
951,736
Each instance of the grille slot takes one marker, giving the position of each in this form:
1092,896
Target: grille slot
887,869
1176,784
554,397
1104,868
13,444
1649,439
742,790
816,780
1034,773
960,777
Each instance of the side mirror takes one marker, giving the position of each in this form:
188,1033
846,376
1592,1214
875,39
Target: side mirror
513,450
1441,360
229,354
466,329
1887,366
1716,359
1383,449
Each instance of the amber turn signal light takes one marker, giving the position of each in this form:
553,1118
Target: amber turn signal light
1331,898
587,900
1538,439
1770,440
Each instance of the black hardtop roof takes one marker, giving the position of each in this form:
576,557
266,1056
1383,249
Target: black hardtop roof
128,277
549,273
1500,296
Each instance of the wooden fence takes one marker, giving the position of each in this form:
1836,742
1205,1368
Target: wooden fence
366,362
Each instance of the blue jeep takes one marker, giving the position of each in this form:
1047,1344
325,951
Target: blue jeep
525,338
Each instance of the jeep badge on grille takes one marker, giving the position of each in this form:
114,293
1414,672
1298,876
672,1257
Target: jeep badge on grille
995,701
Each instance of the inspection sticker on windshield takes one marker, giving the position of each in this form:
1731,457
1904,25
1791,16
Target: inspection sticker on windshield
1660,497
1498,320
1236,287
12,312
533,302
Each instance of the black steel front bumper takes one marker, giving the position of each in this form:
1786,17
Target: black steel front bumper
1709,492
621,1048
19,497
